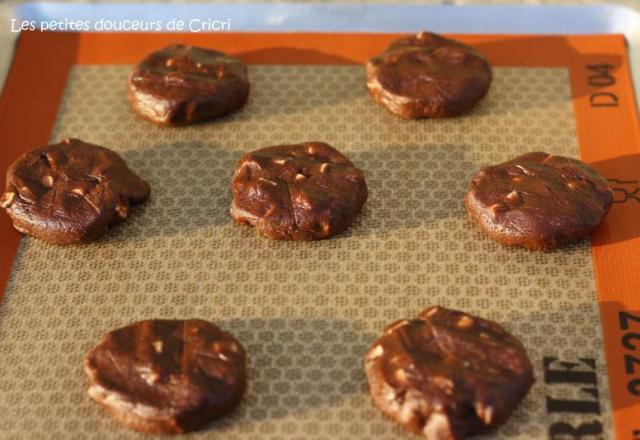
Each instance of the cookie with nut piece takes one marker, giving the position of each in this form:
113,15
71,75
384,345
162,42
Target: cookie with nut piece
70,192
180,85
167,376
428,76
303,191
538,201
447,374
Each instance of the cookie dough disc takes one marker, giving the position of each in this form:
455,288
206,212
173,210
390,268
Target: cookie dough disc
297,192
447,375
181,85
70,192
167,376
538,201
428,76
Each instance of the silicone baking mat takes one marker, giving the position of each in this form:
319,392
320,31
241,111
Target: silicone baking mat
307,312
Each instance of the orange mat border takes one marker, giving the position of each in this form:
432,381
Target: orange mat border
609,138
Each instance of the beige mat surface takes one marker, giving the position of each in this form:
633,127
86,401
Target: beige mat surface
306,312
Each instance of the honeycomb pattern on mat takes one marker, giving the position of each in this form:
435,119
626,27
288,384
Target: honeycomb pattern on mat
306,312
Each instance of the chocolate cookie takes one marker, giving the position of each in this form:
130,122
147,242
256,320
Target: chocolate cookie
446,374
297,192
70,192
167,376
538,201
181,85
428,76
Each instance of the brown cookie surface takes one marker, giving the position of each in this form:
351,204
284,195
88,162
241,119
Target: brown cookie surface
447,375
181,85
538,201
428,76
297,192
70,192
167,376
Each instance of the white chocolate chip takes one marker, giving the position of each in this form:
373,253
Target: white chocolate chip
47,181
443,383
280,161
465,322
7,199
270,182
513,197
122,211
324,167
377,351
401,375
488,415
78,191
300,177
157,346
432,311
149,375
437,427
524,170
484,413
170,62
